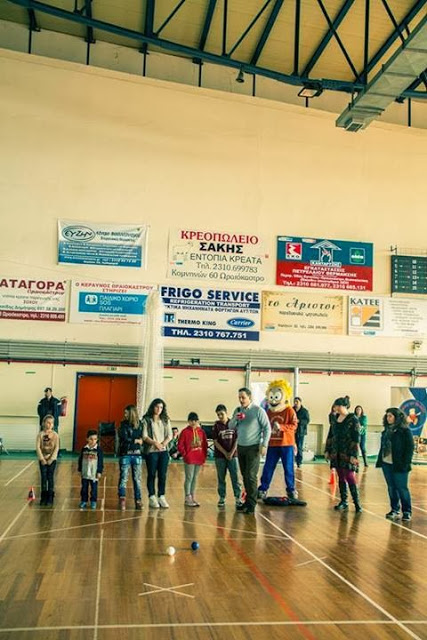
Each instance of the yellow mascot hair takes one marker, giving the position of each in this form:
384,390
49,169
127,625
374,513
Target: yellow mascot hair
283,385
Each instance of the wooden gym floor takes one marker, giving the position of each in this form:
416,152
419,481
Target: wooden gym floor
287,573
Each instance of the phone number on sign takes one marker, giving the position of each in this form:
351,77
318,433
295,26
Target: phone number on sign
214,334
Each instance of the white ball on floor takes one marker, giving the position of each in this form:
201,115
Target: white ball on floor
171,551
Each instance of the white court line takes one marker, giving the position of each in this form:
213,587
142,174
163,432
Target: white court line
6,531
302,564
195,625
419,508
340,577
98,580
158,589
255,534
18,474
376,515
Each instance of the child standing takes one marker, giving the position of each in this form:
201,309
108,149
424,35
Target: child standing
47,447
91,466
193,446
225,442
130,452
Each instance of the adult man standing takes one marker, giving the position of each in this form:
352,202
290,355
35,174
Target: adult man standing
303,418
49,405
253,433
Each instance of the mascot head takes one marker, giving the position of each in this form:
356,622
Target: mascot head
278,393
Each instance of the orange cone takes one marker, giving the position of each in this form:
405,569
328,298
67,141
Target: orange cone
31,495
332,479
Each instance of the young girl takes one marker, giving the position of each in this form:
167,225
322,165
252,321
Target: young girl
342,447
193,446
363,421
156,433
47,447
130,456
395,457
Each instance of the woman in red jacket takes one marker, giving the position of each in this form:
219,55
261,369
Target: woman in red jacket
193,446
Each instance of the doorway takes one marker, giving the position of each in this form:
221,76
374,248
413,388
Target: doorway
101,398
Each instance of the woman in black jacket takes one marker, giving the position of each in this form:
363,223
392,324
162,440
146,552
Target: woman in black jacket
395,457
342,450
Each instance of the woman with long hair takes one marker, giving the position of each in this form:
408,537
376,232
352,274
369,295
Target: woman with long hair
395,457
130,455
363,422
157,433
342,448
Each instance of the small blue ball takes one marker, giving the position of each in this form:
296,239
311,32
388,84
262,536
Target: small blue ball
195,545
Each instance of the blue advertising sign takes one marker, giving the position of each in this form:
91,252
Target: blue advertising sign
118,245
108,302
214,314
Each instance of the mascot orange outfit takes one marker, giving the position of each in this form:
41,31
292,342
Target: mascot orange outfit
281,446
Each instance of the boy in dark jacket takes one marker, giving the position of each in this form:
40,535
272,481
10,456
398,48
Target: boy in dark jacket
91,466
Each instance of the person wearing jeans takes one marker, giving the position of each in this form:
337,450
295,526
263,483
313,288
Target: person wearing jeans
225,443
253,434
395,457
130,456
156,433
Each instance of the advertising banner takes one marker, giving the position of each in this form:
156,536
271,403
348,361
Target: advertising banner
32,299
111,245
215,314
108,302
385,316
218,257
324,264
413,402
302,313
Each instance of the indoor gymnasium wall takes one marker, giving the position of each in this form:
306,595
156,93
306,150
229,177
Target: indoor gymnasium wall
89,144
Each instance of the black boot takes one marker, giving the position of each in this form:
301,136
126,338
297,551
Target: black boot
43,499
343,505
355,495
365,462
50,497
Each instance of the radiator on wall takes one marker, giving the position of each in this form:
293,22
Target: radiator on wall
19,437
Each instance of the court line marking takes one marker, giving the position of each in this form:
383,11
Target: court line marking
158,589
251,623
139,516
268,586
376,515
302,564
98,579
5,532
340,577
419,508
19,473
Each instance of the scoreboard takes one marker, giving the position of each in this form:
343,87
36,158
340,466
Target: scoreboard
409,274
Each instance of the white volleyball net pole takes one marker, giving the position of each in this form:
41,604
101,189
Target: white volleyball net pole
151,356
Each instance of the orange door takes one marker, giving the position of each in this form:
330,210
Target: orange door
101,398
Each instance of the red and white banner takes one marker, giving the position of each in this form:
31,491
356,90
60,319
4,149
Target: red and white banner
32,299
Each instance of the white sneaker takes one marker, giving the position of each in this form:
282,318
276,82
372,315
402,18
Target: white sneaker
153,502
163,502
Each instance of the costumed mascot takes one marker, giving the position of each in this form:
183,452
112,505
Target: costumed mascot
284,423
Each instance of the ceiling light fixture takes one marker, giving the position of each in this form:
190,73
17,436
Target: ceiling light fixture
240,76
310,90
